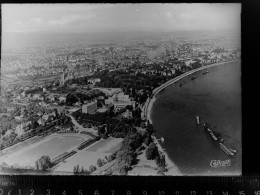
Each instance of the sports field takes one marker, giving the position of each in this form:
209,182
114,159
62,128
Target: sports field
90,155
51,146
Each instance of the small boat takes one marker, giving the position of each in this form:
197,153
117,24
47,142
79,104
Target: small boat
162,139
205,72
205,125
213,136
234,151
194,77
198,120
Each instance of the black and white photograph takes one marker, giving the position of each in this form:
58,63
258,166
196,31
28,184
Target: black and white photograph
136,89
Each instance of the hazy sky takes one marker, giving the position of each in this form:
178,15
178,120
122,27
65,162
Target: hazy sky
73,18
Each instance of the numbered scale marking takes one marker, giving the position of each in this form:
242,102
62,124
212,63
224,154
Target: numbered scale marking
116,185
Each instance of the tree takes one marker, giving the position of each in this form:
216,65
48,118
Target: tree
82,170
103,162
99,162
92,168
37,166
160,161
123,169
75,170
150,128
43,163
109,172
147,138
101,130
35,124
110,158
142,125
151,151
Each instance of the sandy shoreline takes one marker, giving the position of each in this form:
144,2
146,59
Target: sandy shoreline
172,168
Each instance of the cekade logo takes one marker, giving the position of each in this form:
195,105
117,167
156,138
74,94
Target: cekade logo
219,163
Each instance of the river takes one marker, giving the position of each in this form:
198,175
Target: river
216,98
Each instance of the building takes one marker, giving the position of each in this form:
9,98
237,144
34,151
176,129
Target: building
62,79
40,121
109,101
36,96
18,118
127,114
121,101
121,105
90,107
62,98
19,130
121,97
23,94
8,132
101,110
95,80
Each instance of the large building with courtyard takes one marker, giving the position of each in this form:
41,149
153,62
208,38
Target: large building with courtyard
90,108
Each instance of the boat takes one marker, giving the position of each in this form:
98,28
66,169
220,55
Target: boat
213,136
208,129
226,150
194,77
205,72
162,139
234,151
221,142
205,125
198,120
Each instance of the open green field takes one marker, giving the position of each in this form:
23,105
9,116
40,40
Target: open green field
90,155
51,146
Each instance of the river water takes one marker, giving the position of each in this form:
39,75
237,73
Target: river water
216,98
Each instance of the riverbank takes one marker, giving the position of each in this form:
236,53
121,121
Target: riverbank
161,87
149,105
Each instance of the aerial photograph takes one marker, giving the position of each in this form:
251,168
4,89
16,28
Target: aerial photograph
145,89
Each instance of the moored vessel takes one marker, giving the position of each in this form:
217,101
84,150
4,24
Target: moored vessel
216,137
225,149
213,136
205,72
198,120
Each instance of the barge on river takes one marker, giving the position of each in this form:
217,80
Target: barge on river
217,138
